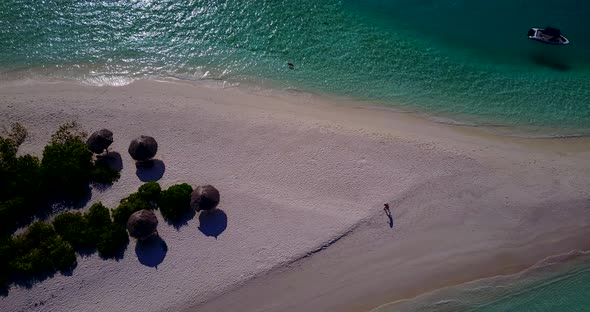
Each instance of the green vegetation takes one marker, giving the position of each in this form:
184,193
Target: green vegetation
98,217
112,241
150,191
94,229
67,165
28,186
44,248
103,174
39,251
66,170
128,206
73,227
19,178
17,134
144,198
175,201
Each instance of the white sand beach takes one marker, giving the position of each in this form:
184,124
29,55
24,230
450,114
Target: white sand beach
303,180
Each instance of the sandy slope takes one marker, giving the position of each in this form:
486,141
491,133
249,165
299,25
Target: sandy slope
296,172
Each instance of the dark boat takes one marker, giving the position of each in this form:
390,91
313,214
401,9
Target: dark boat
548,35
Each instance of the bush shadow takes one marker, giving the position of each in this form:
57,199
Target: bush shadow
212,223
118,255
149,171
109,160
86,251
186,217
28,281
60,202
151,252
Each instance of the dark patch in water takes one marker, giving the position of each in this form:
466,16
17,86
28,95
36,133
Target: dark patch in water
550,62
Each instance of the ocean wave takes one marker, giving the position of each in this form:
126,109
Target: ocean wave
486,294
106,80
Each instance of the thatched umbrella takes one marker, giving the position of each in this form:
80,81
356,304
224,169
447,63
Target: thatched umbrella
100,141
142,224
204,197
143,148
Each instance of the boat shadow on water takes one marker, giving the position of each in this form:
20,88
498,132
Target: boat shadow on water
550,61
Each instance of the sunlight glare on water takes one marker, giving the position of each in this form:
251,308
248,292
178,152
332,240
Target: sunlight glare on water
461,60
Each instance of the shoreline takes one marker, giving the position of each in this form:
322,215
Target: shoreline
375,303
544,270
257,85
397,157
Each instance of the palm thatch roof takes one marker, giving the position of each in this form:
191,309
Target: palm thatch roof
143,148
100,141
204,197
142,224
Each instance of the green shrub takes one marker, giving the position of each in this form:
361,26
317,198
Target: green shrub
74,229
122,213
37,233
41,250
112,241
24,175
103,174
8,149
18,133
66,167
67,164
175,201
62,255
150,191
30,262
98,217
128,206
69,131
19,185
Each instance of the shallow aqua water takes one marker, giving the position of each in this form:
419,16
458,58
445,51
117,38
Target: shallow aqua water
468,60
569,292
565,288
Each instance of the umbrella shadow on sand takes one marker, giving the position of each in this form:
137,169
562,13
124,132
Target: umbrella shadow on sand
111,160
151,252
152,170
212,223
186,217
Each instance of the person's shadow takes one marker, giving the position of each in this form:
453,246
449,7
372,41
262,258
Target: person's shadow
389,216
151,252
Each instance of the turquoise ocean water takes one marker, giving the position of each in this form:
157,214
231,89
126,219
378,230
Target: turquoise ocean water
562,285
464,61
467,60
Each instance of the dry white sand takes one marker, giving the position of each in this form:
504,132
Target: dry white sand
296,173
